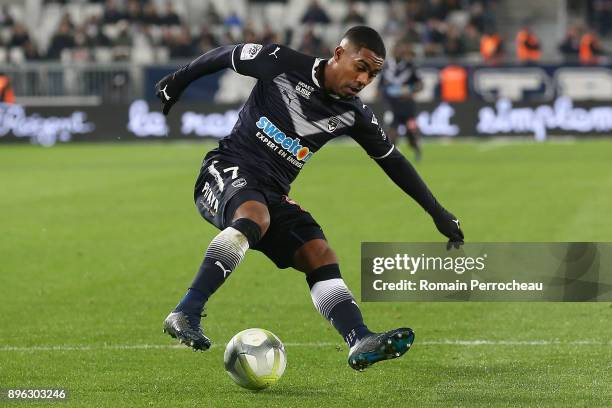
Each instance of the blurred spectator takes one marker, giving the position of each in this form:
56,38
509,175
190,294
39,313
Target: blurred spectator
112,13
6,90
80,52
233,20
315,14
95,35
411,34
182,45
570,45
212,16
435,37
171,17
436,9
19,36
414,11
491,47
353,16
206,41
454,45
30,51
6,20
395,20
527,45
590,50
61,40
471,39
124,37
249,35
602,10
123,42
312,44
150,15
134,12
269,36
481,16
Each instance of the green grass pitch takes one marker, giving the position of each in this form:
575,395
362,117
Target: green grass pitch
99,242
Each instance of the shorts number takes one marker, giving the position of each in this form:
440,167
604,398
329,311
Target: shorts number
234,171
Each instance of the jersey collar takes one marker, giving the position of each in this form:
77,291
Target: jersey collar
318,77
321,71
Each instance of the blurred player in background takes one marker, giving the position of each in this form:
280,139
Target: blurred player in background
399,83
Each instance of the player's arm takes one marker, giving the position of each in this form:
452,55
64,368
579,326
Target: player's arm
373,139
405,176
253,60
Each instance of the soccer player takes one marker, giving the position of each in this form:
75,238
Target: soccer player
399,83
298,104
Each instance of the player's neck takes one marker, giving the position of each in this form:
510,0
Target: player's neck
323,70
320,74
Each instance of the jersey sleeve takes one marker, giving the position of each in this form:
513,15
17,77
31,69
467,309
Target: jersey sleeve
267,61
370,136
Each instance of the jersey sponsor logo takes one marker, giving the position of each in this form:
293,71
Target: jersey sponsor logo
304,90
250,51
291,145
332,123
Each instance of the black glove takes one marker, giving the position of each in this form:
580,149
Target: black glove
448,225
169,90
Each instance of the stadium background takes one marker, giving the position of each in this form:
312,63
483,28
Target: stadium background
99,240
71,64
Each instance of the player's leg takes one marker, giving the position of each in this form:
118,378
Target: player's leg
335,302
224,253
391,130
243,218
328,291
414,138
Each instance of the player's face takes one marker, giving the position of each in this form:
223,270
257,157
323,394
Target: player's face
356,69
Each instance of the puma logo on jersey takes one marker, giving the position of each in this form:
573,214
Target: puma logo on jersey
274,52
225,271
163,92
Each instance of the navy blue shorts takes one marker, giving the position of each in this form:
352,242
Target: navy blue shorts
222,187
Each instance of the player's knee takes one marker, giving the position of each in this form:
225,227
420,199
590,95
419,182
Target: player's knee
256,212
313,255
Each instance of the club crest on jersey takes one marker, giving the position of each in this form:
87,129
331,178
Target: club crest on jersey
289,144
374,120
332,123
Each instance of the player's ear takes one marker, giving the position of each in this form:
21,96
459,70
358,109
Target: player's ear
338,53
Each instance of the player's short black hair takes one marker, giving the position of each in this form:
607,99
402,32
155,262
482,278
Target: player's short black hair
366,37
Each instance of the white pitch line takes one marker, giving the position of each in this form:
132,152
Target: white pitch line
444,342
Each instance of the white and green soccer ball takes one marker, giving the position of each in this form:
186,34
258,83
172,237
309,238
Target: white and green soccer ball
255,359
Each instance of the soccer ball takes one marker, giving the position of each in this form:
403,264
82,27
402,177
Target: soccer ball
255,359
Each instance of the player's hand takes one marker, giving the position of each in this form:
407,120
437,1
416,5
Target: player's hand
449,226
168,91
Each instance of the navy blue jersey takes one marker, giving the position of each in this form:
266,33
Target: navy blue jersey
395,75
288,117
